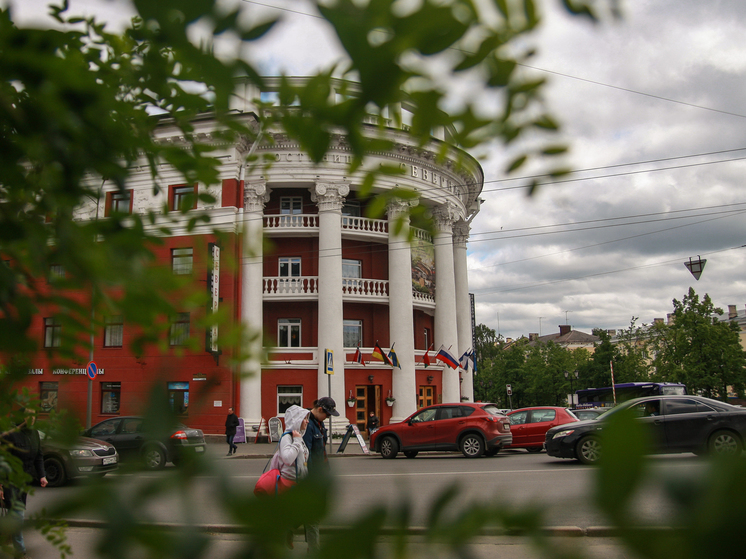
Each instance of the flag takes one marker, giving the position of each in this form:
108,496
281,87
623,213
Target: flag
379,355
474,360
358,356
464,361
444,356
394,359
426,357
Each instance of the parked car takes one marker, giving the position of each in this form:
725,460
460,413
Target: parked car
472,428
677,424
127,435
529,425
589,413
84,457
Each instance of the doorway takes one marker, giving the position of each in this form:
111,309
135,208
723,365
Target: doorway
426,396
367,399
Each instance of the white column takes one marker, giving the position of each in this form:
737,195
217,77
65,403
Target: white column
463,304
446,332
330,198
252,296
401,316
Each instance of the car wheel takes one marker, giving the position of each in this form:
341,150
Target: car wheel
725,443
535,449
389,447
410,453
154,458
588,450
472,446
55,471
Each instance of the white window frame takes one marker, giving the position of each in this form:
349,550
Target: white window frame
347,326
291,263
182,261
288,324
179,331
294,203
113,331
292,397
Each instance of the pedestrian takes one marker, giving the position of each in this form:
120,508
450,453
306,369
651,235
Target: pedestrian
291,458
24,443
231,422
373,424
315,439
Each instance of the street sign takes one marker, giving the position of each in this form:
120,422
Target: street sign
510,390
329,362
92,370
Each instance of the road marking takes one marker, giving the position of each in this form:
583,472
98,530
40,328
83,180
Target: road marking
490,472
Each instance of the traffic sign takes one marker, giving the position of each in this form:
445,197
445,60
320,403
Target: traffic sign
92,370
510,390
329,362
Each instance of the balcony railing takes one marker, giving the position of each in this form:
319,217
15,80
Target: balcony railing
289,223
364,225
282,287
364,288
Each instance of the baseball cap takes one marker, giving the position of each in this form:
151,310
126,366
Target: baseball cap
328,405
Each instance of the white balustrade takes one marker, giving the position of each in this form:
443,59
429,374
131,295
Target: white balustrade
359,287
291,222
287,286
365,225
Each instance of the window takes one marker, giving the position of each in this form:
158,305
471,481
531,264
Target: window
105,428
351,209
288,332
681,406
540,416
47,397
181,195
425,415
182,260
427,338
113,331
288,396
352,333
289,267
291,205
352,271
518,418
119,202
56,271
52,331
180,329
178,397
110,397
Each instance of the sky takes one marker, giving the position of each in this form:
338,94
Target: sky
653,107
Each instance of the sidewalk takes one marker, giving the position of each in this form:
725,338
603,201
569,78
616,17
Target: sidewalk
216,446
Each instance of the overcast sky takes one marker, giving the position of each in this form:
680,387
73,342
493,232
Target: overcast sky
654,108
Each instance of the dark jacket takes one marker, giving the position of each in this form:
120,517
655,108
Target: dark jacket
373,422
27,448
315,439
231,422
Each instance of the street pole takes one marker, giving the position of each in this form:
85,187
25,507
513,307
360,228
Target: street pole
89,404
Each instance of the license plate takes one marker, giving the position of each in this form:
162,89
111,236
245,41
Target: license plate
199,449
110,460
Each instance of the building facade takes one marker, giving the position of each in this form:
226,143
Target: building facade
290,252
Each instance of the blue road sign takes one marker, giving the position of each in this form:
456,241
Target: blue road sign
92,370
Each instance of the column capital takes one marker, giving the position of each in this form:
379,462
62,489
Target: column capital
461,233
330,196
445,216
255,195
397,207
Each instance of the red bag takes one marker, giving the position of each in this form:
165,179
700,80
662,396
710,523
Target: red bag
271,483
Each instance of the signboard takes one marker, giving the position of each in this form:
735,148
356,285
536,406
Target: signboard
92,370
329,361
213,288
510,390
240,432
275,429
352,430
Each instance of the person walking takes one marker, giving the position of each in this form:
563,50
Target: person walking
25,444
315,439
231,422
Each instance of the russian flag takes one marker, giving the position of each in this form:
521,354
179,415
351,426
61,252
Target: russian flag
358,356
444,356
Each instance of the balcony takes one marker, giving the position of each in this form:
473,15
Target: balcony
359,289
293,225
304,288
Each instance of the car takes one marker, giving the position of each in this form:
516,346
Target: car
127,435
529,425
589,413
472,428
681,423
85,457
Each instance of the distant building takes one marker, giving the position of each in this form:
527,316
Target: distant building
567,338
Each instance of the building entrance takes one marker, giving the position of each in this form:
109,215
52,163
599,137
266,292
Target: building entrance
426,396
367,399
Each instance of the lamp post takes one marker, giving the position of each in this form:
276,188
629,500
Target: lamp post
569,376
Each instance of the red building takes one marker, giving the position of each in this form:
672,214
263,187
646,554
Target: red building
312,274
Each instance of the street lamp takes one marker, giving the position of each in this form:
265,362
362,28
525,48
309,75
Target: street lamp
569,376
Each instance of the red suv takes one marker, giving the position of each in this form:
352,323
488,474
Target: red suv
472,428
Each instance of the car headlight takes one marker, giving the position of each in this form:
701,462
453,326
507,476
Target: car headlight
560,434
78,453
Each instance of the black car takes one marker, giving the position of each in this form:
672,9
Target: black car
677,424
82,458
588,413
128,436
